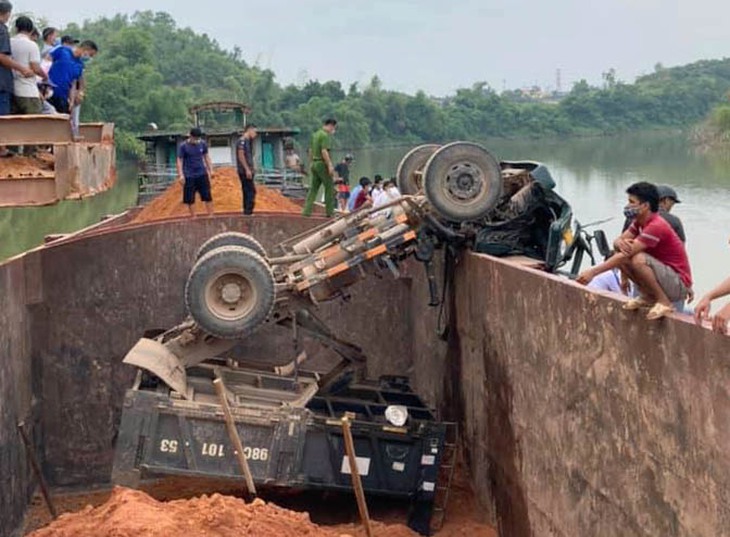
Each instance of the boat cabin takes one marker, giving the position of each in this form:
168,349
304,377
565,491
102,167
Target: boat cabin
222,124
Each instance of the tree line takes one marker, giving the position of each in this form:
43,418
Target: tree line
150,71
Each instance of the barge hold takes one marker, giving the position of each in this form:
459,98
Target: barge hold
572,419
75,168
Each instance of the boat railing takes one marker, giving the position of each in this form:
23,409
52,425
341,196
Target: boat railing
154,179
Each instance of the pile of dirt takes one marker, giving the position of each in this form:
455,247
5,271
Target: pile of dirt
19,167
131,513
227,197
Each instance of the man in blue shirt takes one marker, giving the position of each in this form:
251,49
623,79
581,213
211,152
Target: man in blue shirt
246,169
67,68
194,169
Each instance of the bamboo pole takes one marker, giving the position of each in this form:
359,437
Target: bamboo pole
36,469
234,436
355,474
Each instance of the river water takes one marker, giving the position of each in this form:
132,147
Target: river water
592,174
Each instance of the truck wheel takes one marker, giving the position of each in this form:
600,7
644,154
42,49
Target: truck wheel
231,238
407,181
230,292
462,181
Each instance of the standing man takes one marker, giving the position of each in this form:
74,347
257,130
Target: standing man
323,172
342,171
292,162
246,169
26,98
67,68
194,170
343,168
7,64
650,253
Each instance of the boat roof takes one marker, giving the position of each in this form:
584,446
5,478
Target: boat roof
152,136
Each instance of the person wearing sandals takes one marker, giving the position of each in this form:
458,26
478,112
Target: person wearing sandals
651,254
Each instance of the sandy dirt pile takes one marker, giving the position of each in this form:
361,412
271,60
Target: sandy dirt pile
19,167
227,197
132,513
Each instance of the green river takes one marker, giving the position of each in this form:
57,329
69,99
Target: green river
592,174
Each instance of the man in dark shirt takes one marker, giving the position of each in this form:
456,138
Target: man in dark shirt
667,200
194,169
343,168
246,169
7,64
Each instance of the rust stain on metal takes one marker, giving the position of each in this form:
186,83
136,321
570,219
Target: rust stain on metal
72,170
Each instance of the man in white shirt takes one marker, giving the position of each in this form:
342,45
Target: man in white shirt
26,99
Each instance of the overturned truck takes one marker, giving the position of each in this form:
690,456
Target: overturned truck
288,417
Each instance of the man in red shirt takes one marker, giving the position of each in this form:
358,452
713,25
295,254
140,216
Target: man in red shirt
651,254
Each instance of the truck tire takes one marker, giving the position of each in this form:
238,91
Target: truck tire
230,292
462,181
231,238
406,180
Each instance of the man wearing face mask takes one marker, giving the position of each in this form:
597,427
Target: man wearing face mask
651,254
67,69
322,170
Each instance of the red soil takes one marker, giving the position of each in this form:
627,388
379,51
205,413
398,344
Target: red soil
132,513
227,197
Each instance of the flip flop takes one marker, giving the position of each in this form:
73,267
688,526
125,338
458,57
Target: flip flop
659,311
637,303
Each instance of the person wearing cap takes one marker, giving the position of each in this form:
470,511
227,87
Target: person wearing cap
26,98
8,65
342,172
67,68
322,169
667,200
194,170
343,168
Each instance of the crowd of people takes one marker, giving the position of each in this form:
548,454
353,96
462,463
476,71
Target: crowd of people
41,72
194,169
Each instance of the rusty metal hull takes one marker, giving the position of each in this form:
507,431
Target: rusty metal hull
579,418
82,167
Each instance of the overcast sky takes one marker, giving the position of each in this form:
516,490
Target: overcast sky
441,45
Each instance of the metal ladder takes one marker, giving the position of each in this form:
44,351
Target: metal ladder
445,479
